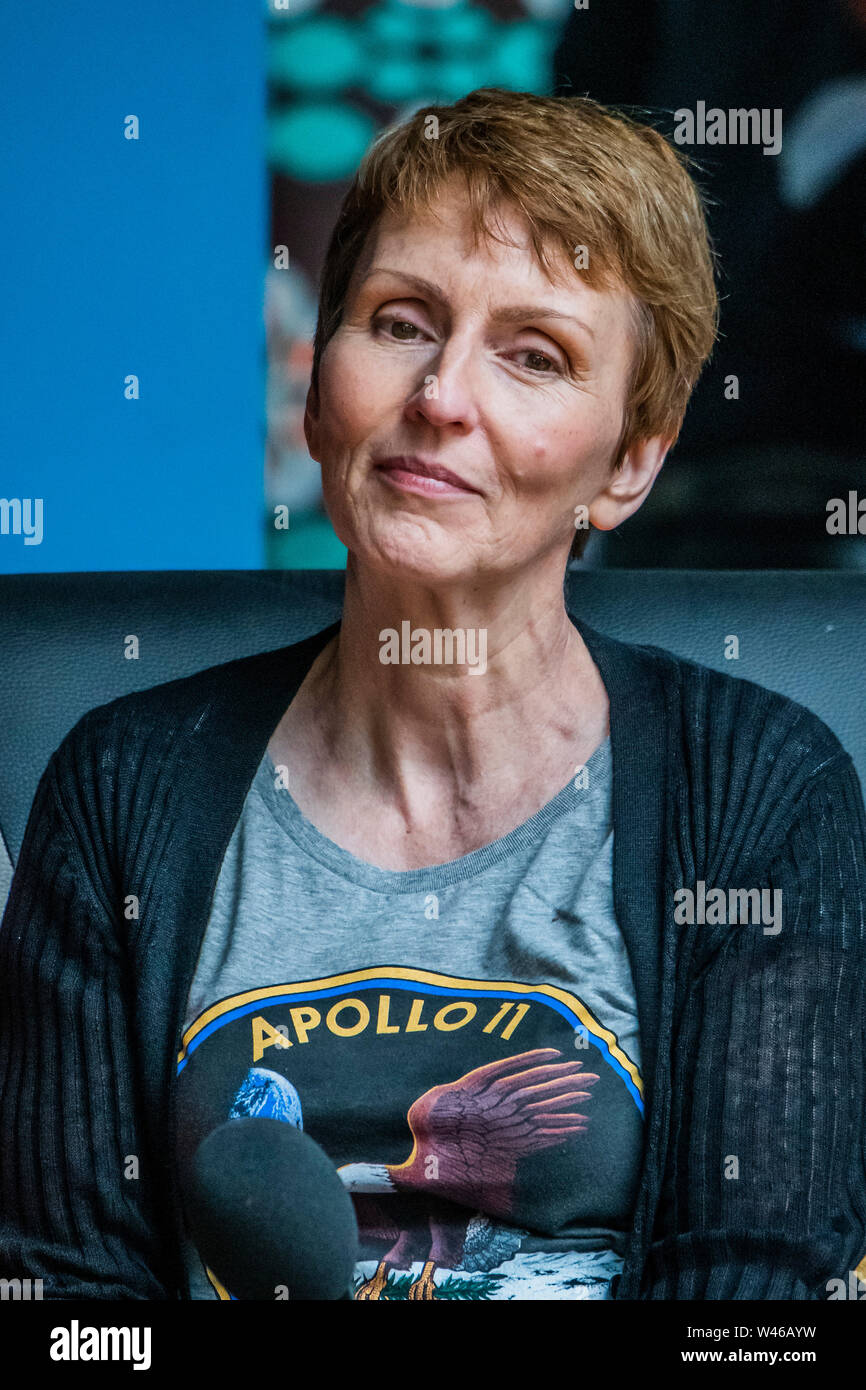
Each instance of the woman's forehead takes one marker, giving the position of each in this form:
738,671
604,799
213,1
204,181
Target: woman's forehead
442,243
448,218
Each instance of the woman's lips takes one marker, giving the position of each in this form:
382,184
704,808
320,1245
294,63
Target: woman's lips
426,479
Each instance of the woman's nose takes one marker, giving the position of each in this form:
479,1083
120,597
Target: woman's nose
446,393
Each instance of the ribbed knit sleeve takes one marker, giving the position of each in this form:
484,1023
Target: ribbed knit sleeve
764,1181
73,1172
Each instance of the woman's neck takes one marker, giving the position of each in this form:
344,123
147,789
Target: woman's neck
423,744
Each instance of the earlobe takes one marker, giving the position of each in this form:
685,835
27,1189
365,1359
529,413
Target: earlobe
628,486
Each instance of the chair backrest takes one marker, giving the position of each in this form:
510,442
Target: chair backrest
65,639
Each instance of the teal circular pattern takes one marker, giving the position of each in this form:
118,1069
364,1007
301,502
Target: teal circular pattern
523,57
394,24
323,54
396,80
462,26
452,78
317,142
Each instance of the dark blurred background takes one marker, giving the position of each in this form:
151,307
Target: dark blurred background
775,428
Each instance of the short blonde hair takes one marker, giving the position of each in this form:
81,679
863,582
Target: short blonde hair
581,175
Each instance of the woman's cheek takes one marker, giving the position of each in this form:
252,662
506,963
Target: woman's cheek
553,457
350,378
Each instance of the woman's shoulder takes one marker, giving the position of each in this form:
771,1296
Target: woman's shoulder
745,765
170,764
734,720
748,733
228,704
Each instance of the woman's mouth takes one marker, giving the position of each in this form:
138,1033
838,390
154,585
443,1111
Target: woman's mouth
423,477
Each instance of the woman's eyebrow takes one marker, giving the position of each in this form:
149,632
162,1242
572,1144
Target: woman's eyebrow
513,313
510,313
417,280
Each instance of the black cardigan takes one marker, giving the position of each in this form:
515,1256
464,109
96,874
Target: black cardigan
753,1044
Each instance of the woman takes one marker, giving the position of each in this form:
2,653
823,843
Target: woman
554,943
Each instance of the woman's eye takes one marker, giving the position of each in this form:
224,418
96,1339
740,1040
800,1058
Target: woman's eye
539,361
402,330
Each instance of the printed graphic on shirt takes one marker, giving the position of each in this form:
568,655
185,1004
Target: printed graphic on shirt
482,1127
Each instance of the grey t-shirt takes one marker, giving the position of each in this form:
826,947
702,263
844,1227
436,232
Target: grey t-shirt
430,1028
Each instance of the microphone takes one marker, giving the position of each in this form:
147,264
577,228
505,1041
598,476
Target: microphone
269,1214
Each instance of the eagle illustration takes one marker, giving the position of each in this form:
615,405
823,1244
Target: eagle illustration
468,1137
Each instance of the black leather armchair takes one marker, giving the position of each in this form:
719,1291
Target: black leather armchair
63,640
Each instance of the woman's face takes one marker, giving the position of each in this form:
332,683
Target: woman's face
471,361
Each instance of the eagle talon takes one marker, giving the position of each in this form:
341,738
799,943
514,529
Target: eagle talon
373,1288
423,1289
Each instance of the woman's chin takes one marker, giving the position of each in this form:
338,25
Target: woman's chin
417,557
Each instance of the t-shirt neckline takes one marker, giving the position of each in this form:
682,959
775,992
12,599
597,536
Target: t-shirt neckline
327,852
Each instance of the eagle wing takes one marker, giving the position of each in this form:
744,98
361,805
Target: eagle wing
469,1134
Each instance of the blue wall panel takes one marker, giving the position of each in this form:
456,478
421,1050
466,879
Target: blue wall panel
133,256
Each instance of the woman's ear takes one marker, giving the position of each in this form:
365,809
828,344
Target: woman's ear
628,486
311,422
